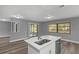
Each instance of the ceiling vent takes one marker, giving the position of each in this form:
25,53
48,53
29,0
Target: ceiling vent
61,6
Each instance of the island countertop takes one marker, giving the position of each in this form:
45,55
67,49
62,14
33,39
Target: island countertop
32,41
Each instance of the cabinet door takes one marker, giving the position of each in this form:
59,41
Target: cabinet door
53,49
32,50
49,49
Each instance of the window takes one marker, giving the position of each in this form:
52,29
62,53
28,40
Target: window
15,27
34,28
59,27
52,27
64,28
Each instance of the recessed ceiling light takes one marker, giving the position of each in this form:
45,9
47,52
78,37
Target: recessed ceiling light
49,17
17,16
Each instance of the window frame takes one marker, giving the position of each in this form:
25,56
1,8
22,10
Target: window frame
32,24
69,27
58,30
15,27
51,24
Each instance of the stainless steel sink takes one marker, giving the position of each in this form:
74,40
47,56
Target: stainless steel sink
42,41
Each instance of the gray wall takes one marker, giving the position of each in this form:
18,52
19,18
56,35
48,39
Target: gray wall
24,30
74,29
5,28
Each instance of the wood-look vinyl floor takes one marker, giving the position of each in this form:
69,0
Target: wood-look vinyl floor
18,47
69,48
21,47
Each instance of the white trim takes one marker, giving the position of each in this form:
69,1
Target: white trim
1,36
18,39
70,41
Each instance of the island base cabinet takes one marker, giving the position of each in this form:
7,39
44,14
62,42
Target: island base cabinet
32,50
49,49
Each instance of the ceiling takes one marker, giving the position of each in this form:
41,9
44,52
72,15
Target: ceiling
39,12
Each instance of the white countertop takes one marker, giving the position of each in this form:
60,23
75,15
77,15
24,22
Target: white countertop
1,36
34,39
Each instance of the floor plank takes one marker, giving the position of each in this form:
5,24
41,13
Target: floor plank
69,48
18,47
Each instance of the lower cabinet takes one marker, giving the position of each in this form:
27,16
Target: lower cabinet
32,50
49,49
58,47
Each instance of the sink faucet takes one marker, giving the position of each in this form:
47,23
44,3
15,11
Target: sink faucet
39,37
38,32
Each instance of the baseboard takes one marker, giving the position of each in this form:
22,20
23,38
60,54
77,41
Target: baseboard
71,41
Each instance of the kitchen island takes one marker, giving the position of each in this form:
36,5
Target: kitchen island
47,48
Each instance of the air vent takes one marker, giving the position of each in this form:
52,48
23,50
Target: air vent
61,6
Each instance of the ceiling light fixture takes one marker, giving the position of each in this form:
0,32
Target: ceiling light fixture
49,17
17,16
4,19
